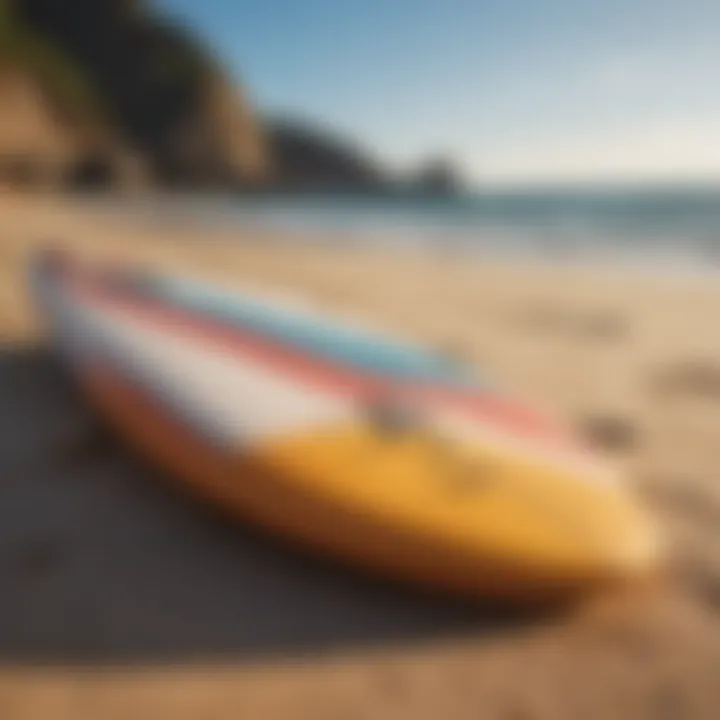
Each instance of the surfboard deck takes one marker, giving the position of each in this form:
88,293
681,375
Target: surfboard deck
343,439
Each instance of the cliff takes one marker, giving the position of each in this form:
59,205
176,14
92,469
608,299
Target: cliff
132,87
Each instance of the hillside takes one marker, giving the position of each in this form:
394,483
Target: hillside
117,82
108,93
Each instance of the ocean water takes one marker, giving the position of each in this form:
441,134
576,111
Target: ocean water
667,227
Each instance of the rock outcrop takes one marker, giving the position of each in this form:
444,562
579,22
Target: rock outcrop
438,176
310,159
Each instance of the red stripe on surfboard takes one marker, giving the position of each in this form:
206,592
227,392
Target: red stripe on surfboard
309,368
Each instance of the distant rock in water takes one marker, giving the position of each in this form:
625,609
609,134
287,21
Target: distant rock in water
438,176
307,158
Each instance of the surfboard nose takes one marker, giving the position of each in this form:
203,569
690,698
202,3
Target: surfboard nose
469,518
600,534
639,554
620,550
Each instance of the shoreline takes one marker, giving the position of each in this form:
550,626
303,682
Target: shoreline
634,260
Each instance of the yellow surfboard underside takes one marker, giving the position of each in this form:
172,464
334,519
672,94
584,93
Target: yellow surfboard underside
467,520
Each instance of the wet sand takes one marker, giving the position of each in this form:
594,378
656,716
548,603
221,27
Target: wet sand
121,598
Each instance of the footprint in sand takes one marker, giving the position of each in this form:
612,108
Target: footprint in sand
609,432
686,503
591,324
603,325
688,378
682,496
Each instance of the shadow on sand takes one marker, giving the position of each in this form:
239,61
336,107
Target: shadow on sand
101,563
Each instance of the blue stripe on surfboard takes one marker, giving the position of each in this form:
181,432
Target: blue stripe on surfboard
355,348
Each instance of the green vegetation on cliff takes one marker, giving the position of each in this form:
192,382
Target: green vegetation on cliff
24,49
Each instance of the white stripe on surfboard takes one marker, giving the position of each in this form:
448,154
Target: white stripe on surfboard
225,398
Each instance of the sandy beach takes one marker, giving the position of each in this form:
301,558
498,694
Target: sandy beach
120,598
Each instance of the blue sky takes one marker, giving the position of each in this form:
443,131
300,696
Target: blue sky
515,90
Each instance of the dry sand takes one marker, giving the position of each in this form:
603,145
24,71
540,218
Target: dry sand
121,599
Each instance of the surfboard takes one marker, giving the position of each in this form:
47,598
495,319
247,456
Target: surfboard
342,439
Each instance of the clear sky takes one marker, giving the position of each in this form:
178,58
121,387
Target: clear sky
514,90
